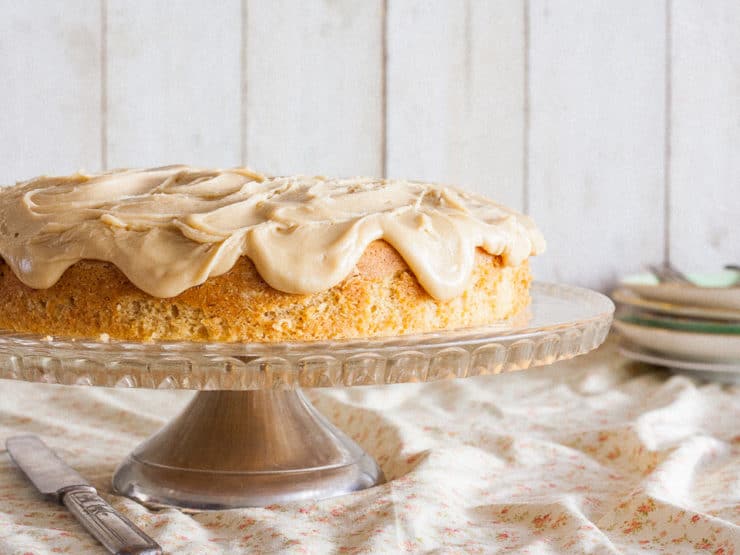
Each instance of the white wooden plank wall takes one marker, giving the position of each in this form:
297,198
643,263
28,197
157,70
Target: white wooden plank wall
314,90
50,112
596,183
705,148
616,124
456,94
173,82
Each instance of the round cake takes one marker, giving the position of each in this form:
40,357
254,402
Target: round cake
179,253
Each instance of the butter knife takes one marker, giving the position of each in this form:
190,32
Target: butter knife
59,482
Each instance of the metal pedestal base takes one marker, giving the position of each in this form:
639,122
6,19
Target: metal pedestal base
231,449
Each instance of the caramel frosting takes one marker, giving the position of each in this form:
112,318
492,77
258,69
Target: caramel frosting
171,228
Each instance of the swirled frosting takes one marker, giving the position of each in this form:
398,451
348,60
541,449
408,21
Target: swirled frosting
171,228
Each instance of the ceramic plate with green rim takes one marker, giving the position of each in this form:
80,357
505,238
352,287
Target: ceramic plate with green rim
679,323
716,290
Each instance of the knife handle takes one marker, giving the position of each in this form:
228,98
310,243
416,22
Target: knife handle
117,533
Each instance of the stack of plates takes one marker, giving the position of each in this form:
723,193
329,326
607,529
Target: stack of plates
695,329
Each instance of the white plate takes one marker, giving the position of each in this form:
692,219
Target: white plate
724,372
719,290
626,297
687,345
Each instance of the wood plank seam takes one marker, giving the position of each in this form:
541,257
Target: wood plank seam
243,84
384,91
525,108
667,138
103,85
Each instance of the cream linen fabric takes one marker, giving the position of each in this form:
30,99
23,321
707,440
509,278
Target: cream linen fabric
590,456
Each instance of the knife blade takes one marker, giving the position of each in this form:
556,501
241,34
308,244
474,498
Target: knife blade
56,480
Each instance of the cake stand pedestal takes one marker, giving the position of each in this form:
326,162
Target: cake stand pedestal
245,449
250,437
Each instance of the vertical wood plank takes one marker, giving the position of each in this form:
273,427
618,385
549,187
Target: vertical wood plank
597,77
173,83
314,87
50,98
705,142
456,94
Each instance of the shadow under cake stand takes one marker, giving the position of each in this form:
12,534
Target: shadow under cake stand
250,437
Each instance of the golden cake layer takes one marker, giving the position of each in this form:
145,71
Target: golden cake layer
381,297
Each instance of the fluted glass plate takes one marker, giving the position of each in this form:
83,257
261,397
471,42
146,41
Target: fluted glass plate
563,322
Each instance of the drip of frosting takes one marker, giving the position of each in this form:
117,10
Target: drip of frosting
171,228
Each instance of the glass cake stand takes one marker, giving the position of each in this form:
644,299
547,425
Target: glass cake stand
250,437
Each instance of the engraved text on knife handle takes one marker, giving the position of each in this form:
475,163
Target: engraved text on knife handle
117,533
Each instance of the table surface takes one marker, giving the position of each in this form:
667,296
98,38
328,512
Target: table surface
593,455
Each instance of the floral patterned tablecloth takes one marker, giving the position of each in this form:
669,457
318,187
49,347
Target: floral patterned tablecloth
595,455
